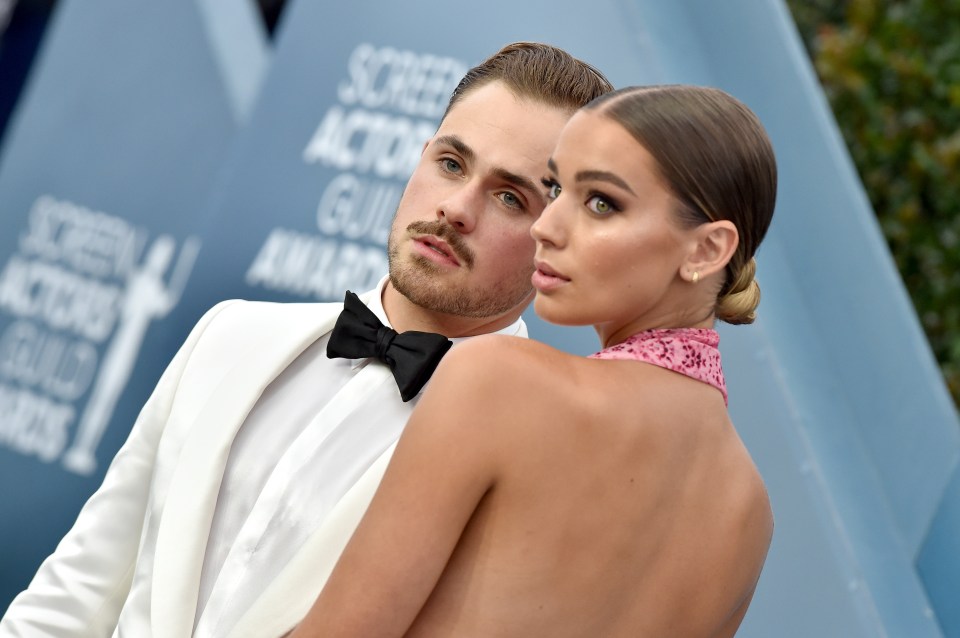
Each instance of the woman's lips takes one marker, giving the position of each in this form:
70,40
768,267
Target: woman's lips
545,278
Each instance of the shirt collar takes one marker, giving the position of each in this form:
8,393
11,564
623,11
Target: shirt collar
376,302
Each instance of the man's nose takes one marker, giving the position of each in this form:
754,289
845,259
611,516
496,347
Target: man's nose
461,208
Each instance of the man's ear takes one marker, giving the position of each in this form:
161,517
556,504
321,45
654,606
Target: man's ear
713,246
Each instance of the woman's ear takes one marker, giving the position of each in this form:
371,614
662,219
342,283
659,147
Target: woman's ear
713,245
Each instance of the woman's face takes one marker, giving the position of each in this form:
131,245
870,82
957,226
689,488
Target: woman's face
609,250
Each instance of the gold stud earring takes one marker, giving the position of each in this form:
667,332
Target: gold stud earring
695,277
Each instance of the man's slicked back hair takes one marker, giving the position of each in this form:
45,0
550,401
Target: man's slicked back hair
538,72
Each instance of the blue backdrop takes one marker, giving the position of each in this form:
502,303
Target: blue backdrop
166,156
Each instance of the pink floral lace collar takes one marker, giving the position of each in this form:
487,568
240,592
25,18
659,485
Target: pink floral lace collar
689,351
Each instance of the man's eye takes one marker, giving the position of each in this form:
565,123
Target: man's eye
449,165
510,199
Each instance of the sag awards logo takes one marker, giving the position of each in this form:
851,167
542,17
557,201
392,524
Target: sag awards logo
81,291
388,106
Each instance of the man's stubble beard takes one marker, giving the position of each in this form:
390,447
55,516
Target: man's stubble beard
421,281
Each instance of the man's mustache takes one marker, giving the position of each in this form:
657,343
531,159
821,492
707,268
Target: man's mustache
447,233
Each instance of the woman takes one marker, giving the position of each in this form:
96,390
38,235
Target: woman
535,493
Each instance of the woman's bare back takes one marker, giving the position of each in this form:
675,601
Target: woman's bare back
628,506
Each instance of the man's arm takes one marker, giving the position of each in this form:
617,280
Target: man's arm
80,588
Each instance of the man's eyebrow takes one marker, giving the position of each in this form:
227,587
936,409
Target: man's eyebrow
521,182
458,145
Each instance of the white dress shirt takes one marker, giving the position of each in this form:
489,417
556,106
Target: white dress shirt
310,436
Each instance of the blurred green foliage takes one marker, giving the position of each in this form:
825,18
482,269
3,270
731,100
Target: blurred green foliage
891,70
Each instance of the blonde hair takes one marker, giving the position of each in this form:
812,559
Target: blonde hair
739,304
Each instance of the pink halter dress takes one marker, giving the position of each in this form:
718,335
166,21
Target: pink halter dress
690,351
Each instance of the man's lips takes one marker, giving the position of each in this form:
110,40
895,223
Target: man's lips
432,246
440,242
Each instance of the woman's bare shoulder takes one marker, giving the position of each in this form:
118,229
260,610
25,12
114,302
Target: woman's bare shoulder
494,344
512,359
498,375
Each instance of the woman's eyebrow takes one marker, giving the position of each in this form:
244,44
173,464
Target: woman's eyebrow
588,176
603,176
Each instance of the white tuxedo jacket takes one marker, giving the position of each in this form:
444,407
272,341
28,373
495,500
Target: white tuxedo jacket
152,515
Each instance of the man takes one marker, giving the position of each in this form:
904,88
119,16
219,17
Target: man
254,458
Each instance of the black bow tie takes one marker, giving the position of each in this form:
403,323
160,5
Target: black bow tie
412,356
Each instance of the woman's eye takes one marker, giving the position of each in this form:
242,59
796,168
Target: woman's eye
600,205
553,190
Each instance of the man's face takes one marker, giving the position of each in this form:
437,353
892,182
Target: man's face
460,242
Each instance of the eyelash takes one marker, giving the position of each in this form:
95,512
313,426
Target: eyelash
554,189
444,163
518,205
551,184
614,207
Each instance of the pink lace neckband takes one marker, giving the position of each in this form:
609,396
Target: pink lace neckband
690,351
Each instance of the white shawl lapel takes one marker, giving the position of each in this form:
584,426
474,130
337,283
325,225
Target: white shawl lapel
276,334
288,598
